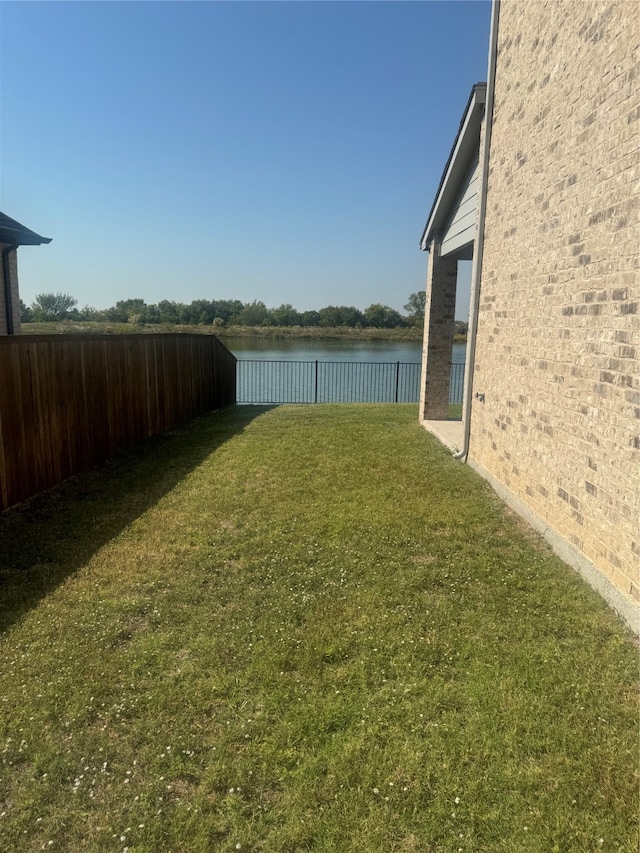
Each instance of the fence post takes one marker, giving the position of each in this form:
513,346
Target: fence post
316,392
397,378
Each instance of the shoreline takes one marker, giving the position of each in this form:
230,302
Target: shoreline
66,327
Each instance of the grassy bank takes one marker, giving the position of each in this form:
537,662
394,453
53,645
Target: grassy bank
304,628
303,332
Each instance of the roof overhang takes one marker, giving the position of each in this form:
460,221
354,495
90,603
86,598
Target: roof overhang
465,146
15,234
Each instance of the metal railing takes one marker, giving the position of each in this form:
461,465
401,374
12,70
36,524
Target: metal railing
268,381
456,383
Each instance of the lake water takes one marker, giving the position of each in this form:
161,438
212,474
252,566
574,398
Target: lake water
307,370
310,349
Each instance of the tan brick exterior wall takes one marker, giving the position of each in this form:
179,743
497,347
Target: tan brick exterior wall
558,342
15,294
442,274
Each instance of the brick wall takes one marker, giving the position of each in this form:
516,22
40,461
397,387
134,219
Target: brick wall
15,295
442,273
558,343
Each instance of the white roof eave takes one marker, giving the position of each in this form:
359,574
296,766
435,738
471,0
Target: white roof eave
466,144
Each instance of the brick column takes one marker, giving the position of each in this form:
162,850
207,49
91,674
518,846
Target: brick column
439,326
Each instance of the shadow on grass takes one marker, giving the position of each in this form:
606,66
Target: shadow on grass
48,538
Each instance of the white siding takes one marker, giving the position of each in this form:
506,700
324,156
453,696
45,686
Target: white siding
461,226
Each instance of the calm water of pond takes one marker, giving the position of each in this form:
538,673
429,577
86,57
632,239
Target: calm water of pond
301,349
345,372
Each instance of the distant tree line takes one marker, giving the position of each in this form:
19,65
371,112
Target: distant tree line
224,312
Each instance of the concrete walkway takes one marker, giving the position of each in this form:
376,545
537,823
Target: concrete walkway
449,433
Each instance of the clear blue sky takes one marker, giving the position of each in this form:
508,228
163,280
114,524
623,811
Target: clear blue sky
287,152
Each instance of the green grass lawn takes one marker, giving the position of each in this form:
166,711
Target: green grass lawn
304,628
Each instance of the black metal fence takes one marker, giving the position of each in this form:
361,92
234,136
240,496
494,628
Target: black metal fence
456,383
264,381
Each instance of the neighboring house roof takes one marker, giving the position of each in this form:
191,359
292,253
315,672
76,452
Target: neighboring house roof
15,234
457,170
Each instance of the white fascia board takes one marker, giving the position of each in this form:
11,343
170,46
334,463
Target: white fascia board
466,142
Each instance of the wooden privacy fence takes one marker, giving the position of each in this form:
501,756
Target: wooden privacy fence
70,401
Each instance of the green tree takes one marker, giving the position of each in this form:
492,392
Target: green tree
124,309
340,315
168,311
202,312
89,313
52,306
330,316
285,315
351,317
415,307
152,314
253,314
135,309
310,318
227,309
379,316
25,313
